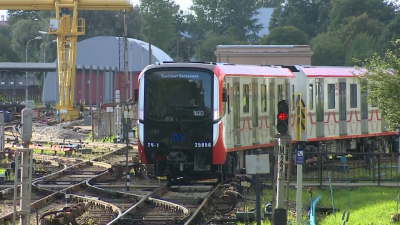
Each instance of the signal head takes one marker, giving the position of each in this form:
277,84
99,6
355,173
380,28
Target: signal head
283,117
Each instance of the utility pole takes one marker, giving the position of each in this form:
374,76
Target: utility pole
126,57
149,46
177,49
126,99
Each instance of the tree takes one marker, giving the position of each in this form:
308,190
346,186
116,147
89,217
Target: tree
268,3
390,33
312,17
159,16
362,47
21,32
206,50
343,10
358,25
16,15
215,16
287,35
7,54
109,23
328,50
381,80
241,15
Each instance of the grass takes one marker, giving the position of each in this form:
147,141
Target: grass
369,205
358,172
96,153
109,139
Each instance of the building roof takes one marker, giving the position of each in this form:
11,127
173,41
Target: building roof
18,66
41,67
250,70
331,71
109,51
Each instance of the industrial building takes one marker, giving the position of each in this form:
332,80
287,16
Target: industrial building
103,57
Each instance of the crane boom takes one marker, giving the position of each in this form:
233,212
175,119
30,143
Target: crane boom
67,30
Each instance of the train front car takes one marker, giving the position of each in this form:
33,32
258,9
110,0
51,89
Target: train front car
178,105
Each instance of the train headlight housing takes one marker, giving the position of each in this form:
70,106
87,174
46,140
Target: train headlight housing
141,114
216,114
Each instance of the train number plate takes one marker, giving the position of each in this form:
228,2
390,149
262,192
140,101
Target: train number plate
202,144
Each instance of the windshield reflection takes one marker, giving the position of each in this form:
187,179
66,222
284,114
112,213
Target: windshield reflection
178,95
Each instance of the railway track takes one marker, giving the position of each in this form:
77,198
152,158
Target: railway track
112,202
177,204
48,199
7,195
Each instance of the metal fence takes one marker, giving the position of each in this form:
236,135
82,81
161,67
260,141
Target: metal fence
355,167
104,124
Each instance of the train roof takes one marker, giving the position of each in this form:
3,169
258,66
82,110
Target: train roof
332,71
251,70
230,69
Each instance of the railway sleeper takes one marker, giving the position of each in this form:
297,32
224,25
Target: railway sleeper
170,206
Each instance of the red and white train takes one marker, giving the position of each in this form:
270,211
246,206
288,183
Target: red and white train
199,118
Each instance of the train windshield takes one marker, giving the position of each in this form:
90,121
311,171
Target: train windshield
178,95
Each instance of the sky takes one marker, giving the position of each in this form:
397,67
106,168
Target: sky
184,4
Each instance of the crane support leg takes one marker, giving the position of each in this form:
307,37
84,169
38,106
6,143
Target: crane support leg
67,34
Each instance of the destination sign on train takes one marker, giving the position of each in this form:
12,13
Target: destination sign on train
166,76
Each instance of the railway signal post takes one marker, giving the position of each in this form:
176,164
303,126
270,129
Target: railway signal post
301,127
284,142
26,166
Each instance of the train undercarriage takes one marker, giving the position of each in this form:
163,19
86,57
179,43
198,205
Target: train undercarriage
178,164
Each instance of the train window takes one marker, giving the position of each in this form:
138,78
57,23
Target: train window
342,101
229,99
263,98
190,98
353,95
293,105
246,97
224,103
364,105
280,92
311,96
331,96
319,98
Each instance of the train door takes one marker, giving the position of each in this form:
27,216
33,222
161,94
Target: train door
332,114
255,107
272,102
311,110
228,115
246,128
236,111
264,121
342,107
364,111
319,100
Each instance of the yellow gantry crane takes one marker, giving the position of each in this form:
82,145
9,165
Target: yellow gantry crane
67,29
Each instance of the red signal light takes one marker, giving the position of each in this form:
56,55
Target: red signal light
283,116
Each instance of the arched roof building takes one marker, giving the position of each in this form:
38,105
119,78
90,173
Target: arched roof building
106,52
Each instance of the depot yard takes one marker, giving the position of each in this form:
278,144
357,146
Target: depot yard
369,205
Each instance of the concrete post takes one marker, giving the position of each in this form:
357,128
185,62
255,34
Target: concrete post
98,90
116,84
83,85
104,98
90,90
